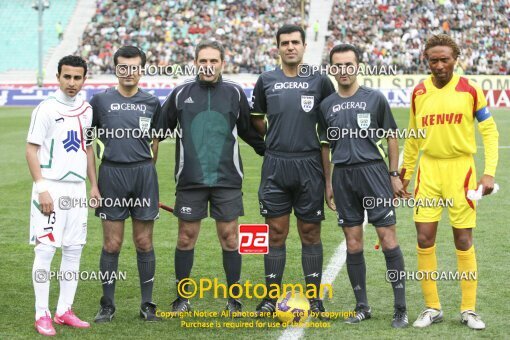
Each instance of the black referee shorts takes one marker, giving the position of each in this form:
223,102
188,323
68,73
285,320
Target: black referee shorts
292,181
357,187
128,189
225,204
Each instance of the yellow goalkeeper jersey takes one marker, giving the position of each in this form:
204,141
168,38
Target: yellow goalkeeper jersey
447,116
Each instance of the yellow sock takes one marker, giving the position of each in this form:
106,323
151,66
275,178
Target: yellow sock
427,262
466,264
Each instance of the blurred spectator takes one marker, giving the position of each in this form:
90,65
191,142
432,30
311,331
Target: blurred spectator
316,29
60,31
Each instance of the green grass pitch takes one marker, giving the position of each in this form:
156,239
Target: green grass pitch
17,297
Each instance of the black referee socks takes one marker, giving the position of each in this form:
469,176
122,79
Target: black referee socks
395,263
311,259
274,264
357,275
232,262
146,268
183,263
108,265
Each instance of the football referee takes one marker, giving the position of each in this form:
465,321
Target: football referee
211,113
122,117
360,177
293,172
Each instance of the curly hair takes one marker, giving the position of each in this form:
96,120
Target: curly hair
442,40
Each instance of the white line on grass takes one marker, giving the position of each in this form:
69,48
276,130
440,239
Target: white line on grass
329,275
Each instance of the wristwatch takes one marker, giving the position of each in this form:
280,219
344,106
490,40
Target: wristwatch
394,174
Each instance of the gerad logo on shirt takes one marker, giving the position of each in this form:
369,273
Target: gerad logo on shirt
291,85
350,105
441,119
128,107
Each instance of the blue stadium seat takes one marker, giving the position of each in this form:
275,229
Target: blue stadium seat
19,27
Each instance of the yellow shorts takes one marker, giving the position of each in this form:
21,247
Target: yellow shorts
444,183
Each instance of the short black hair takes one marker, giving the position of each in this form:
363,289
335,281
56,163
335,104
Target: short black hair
72,60
286,29
210,44
129,52
345,48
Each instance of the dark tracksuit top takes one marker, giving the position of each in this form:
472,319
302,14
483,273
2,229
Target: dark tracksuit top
210,116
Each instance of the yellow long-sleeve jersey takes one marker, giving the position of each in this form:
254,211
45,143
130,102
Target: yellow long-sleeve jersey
447,116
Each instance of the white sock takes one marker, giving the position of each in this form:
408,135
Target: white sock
69,282
40,278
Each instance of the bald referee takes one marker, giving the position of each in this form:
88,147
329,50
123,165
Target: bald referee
122,117
292,173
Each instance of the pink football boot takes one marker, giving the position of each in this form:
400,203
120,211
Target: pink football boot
70,319
44,326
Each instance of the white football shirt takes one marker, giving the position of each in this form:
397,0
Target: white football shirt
57,126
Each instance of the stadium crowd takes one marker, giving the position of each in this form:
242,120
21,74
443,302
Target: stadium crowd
168,31
394,32
389,32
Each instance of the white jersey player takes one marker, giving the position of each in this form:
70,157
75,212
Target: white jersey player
57,158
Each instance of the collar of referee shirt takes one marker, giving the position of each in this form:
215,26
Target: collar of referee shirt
208,83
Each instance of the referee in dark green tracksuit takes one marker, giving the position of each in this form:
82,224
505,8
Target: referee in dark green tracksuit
211,112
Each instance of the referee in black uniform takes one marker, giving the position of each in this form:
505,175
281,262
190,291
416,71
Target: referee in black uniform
123,116
356,116
211,112
294,164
